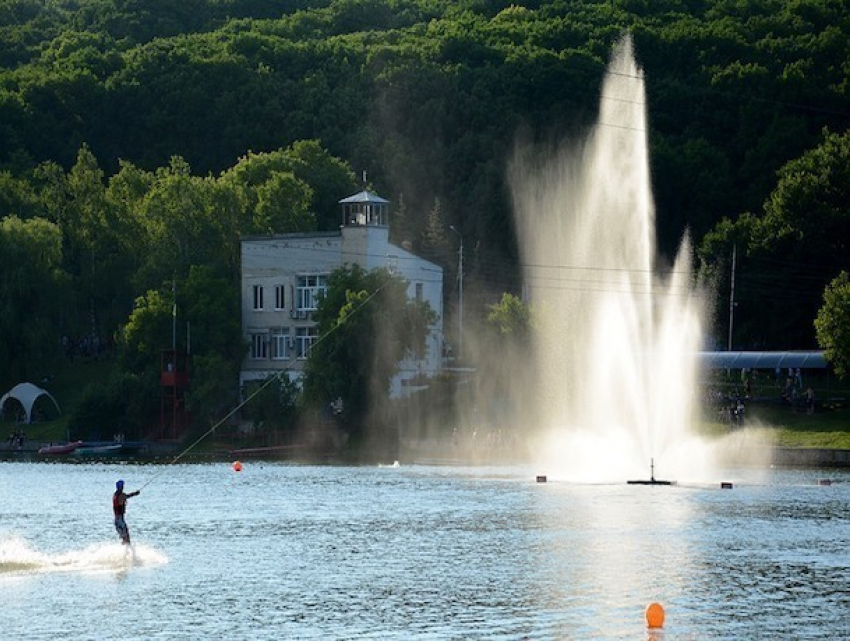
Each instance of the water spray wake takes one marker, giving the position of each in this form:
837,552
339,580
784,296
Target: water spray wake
18,557
614,354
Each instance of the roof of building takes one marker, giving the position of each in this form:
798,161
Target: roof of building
291,236
364,197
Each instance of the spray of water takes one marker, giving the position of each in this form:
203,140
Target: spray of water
614,349
18,557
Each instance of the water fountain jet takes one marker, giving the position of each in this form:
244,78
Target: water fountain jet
614,366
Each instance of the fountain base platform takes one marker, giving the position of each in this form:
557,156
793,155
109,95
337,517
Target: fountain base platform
652,480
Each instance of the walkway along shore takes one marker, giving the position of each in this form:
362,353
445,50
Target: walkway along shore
780,456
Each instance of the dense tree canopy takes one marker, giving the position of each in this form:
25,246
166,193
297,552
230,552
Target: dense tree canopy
106,263
426,95
790,251
140,140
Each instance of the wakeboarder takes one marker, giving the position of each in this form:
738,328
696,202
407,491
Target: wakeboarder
119,506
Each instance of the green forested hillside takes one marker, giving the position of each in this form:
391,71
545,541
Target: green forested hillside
425,96
114,113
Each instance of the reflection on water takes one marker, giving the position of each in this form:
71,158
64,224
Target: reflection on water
281,551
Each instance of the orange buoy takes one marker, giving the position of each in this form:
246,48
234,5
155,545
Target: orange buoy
654,615
237,466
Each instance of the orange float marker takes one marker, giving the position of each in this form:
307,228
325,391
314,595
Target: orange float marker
237,466
654,615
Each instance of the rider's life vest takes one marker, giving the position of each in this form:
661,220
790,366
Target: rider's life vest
118,506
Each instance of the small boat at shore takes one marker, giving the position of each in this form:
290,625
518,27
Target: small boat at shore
98,450
270,449
59,448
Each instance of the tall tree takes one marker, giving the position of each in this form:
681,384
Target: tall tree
366,326
505,339
833,324
31,297
435,244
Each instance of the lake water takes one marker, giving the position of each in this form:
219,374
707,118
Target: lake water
283,551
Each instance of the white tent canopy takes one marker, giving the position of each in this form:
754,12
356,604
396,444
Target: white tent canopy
26,394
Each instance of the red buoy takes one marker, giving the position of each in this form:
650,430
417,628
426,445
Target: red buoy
654,615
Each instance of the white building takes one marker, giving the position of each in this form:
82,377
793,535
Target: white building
283,274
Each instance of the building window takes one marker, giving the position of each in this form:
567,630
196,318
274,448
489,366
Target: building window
278,297
259,346
280,343
419,291
309,289
304,339
258,297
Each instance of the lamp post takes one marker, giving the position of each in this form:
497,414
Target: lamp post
732,298
460,292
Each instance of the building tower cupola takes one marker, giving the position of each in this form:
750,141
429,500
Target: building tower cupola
365,209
